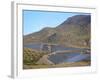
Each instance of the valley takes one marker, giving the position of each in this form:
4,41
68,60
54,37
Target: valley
66,45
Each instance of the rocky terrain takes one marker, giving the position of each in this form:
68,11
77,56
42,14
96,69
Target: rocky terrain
74,34
75,31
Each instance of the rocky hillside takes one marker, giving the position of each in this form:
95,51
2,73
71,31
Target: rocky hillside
75,31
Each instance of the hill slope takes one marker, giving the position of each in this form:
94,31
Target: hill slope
75,31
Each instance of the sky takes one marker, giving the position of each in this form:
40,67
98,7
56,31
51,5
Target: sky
34,21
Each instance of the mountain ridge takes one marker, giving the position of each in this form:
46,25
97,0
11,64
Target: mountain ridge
73,31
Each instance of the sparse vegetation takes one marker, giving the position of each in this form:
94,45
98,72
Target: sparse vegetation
31,56
73,33
76,64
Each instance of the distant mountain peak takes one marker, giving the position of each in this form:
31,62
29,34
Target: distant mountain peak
77,20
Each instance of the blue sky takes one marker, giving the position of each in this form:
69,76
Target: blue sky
34,21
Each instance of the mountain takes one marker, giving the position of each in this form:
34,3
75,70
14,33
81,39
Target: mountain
74,31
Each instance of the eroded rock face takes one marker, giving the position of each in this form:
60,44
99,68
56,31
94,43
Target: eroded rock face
46,47
44,60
